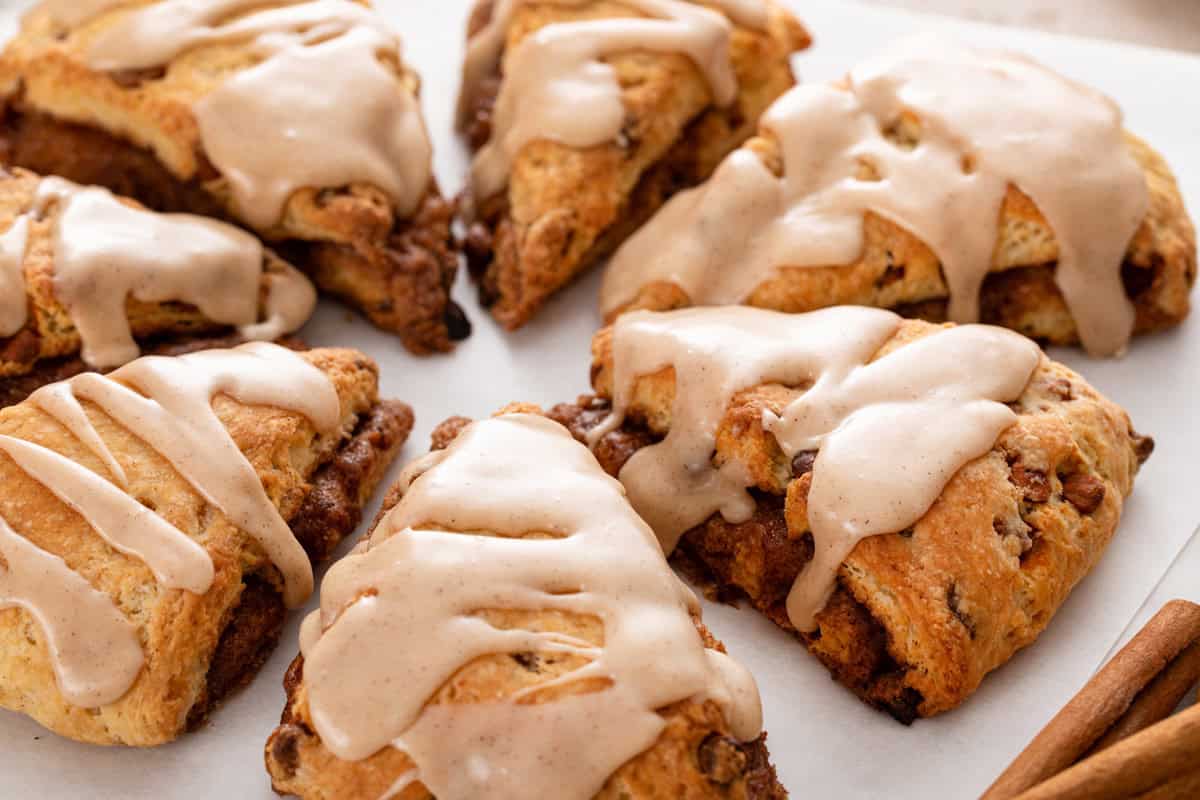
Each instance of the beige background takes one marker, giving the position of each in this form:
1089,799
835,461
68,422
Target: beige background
1162,23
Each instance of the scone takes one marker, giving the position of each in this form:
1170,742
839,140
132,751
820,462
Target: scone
87,277
146,558
586,116
511,629
914,501
939,181
298,120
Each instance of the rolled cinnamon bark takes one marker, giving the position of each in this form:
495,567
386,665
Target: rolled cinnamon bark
1158,700
1102,702
1159,759
1187,786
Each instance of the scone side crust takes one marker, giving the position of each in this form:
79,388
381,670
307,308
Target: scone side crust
179,630
332,510
566,208
398,272
977,578
696,751
900,272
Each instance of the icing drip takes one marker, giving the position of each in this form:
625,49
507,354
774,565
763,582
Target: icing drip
557,86
106,251
177,561
987,120
889,433
14,306
402,613
167,402
286,143
94,650
324,107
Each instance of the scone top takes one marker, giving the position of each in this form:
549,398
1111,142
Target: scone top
511,540
168,404
884,432
281,99
79,255
929,135
557,86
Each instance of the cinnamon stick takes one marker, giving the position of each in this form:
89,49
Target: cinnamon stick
1184,788
1158,700
1103,701
1162,756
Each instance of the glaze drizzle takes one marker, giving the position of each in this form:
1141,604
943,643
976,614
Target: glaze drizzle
106,251
986,120
889,432
557,86
322,107
167,403
404,612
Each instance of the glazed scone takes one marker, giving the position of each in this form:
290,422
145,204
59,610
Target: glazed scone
90,276
941,182
183,107
965,520
456,653
131,602
563,175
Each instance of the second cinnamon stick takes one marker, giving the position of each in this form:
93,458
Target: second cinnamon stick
1103,701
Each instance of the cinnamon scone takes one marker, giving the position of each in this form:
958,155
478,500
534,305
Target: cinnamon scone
914,501
88,276
511,629
587,115
298,120
940,181
146,558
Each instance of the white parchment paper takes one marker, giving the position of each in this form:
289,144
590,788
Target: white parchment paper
825,743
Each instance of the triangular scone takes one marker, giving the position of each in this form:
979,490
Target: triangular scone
565,198
919,614
88,277
120,495
939,181
298,120
511,629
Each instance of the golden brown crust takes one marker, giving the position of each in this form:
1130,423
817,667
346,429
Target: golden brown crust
181,631
137,134
898,271
49,332
696,757
922,615
565,208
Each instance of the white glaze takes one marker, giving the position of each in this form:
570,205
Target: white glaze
890,433
322,108
399,616
988,120
167,402
557,86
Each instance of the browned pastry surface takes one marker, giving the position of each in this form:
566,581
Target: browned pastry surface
695,758
197,647
62,118
49,335
922,615
565,208
898,271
